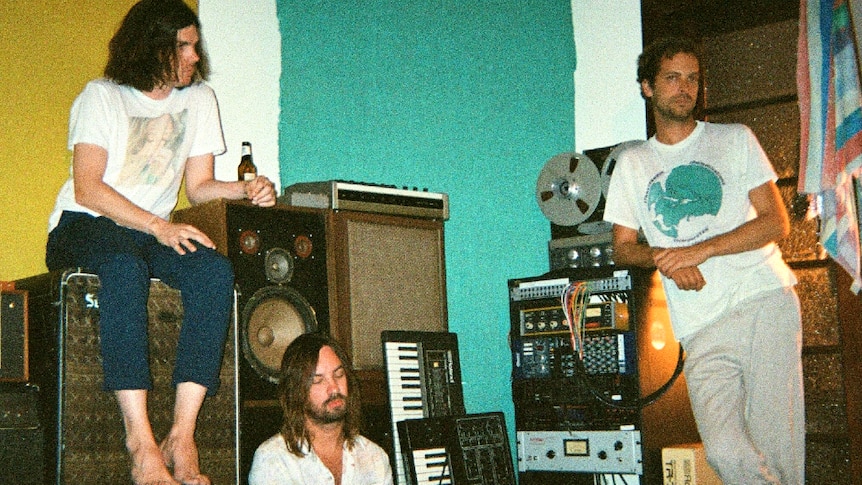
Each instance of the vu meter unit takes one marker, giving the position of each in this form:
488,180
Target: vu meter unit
363,197
606,315
607,452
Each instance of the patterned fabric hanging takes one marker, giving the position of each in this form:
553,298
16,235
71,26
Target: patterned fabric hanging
830,104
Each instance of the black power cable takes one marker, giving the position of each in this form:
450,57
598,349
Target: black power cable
640,403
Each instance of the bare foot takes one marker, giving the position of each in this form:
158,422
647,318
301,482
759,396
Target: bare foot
182,455
148,466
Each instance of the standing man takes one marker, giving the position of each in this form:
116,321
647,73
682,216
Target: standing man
704,196
134,135
319,443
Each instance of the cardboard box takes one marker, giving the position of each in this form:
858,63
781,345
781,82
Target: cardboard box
686,465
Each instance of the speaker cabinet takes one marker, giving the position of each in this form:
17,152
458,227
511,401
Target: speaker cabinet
21,436
13,337
389,274
279,258
84,435
344,273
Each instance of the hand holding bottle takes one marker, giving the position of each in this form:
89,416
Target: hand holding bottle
260,191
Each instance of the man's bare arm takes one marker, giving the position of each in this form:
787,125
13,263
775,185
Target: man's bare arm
771,224
629,251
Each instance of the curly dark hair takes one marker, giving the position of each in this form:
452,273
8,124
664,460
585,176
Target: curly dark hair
143,51
649,62
297,371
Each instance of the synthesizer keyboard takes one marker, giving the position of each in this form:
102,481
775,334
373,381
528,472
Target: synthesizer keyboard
471,449
423,375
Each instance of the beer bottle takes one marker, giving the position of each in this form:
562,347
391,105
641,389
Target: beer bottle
246,169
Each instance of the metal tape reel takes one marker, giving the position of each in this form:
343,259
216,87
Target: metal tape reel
569,189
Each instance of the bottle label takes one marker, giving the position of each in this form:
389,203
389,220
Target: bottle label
249,176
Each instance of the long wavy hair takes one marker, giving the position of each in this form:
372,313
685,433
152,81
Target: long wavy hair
143,51
297,371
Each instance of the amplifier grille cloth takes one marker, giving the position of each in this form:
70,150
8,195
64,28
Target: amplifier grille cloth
396,282
93,437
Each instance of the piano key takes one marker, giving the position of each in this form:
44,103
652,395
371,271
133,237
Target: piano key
412,362
431,466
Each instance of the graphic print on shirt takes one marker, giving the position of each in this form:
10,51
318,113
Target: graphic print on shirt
682,203
153,144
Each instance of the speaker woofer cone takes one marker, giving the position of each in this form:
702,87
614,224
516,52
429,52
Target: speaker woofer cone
272,318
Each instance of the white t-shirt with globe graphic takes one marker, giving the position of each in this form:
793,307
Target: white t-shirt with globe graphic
694,190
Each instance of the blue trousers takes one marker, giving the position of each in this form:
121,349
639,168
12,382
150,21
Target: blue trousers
125,260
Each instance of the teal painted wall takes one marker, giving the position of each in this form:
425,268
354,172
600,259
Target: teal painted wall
466,97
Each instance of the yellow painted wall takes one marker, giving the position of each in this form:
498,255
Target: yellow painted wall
48,50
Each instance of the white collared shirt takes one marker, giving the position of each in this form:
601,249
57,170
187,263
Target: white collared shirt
365,464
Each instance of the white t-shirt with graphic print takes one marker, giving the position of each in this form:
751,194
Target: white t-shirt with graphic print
148,141
694,190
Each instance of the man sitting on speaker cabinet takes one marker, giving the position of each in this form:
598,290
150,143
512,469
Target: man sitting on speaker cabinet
134,135
704,195
319,442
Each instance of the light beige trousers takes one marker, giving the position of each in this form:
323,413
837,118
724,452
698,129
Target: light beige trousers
744,376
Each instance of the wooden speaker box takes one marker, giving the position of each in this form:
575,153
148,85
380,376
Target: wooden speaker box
85,440
388,274
349,274
279,259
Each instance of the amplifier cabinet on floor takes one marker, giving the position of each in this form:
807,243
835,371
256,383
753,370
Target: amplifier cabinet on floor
21,436
84,436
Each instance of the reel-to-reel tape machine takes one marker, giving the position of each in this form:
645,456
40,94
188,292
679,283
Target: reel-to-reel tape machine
571,191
